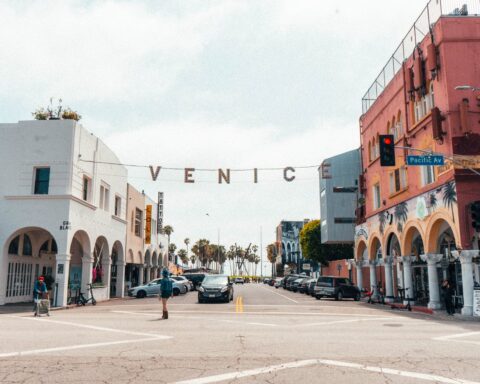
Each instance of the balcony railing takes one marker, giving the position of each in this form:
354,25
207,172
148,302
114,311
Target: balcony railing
430,14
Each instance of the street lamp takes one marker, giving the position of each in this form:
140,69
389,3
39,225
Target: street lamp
466,88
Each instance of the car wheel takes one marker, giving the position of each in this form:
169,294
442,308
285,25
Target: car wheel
339,296
141,294
357,296
318,297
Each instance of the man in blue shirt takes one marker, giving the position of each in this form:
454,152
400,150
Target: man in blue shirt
39,288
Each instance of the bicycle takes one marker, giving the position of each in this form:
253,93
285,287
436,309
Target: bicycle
82,300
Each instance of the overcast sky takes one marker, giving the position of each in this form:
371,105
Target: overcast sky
212,84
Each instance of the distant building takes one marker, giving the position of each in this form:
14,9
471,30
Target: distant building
339,196
288,242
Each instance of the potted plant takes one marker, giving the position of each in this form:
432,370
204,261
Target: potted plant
69,114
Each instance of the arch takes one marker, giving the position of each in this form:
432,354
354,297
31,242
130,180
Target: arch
24,263
130,258
392,245
375,248
83,239
117,250
439,222
148,258
139,259
360,250
412,234
101,259
154,259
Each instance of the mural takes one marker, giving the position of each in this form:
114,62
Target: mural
418,211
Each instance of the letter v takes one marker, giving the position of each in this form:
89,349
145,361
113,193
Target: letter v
154,174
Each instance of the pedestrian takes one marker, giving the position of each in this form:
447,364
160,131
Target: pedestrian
447,296
166,291
39,289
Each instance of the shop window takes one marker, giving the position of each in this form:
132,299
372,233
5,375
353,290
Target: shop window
370,152
42,180
138,222
398,180
13,246
27,246
376,196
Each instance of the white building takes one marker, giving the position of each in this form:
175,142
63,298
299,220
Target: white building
62,215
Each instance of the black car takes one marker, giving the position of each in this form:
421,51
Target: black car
289,281
311,287
337,287
215,288
195,278
303,286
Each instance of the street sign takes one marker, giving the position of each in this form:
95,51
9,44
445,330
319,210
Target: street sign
306,266
425,160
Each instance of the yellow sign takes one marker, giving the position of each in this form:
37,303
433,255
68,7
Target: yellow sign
148,229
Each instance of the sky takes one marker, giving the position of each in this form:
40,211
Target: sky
207,84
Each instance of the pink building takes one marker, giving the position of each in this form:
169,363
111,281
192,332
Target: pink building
415,222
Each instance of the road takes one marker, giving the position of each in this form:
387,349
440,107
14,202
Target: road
265,335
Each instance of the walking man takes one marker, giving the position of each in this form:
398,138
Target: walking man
39,289
166,291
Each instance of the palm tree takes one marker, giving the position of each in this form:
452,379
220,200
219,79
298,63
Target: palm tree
187,241
168,230
193,259
450,196
382,218
182,254
272,254
401,214
171,251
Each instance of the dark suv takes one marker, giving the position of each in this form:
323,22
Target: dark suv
195,278
216,288
336,287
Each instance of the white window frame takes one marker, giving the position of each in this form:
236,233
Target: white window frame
104,202
87,198
402,180
118,207
428,175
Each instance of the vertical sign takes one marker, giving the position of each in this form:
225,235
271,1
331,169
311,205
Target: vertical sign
148,229
160,213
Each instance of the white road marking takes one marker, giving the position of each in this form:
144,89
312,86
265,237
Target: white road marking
343,321
93,327
196,318
340,314
456,335
72,347
305,363
279,294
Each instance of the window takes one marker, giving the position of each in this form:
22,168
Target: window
370,151
104,197
138,222
27,246
376,196
428,175
42,179
86,188
344,220
344,189
13,246
118,205
398,180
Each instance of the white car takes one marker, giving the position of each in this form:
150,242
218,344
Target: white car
153,288
183,280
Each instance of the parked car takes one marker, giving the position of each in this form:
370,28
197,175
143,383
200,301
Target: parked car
271,282
266,280
336,287
303,286
289,280
239,280
215,288
295,284
311,287
153,288
185,281
195,278
278,282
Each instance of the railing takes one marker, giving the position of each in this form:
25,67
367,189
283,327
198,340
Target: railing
430,14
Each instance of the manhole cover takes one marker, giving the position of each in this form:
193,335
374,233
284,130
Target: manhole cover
393,325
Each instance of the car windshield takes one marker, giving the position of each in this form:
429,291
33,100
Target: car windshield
215,280
325,282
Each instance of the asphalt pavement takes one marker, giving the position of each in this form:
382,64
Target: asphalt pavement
265,335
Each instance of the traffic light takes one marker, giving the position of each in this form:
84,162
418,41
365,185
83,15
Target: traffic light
475,211
387,150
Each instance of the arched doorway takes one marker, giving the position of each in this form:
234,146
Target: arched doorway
80,255
147,267
115,273
154,273
414,246
30,252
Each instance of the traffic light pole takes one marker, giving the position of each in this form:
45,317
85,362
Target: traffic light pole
451,158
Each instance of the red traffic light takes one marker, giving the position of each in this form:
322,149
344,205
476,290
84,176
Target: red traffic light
387,140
